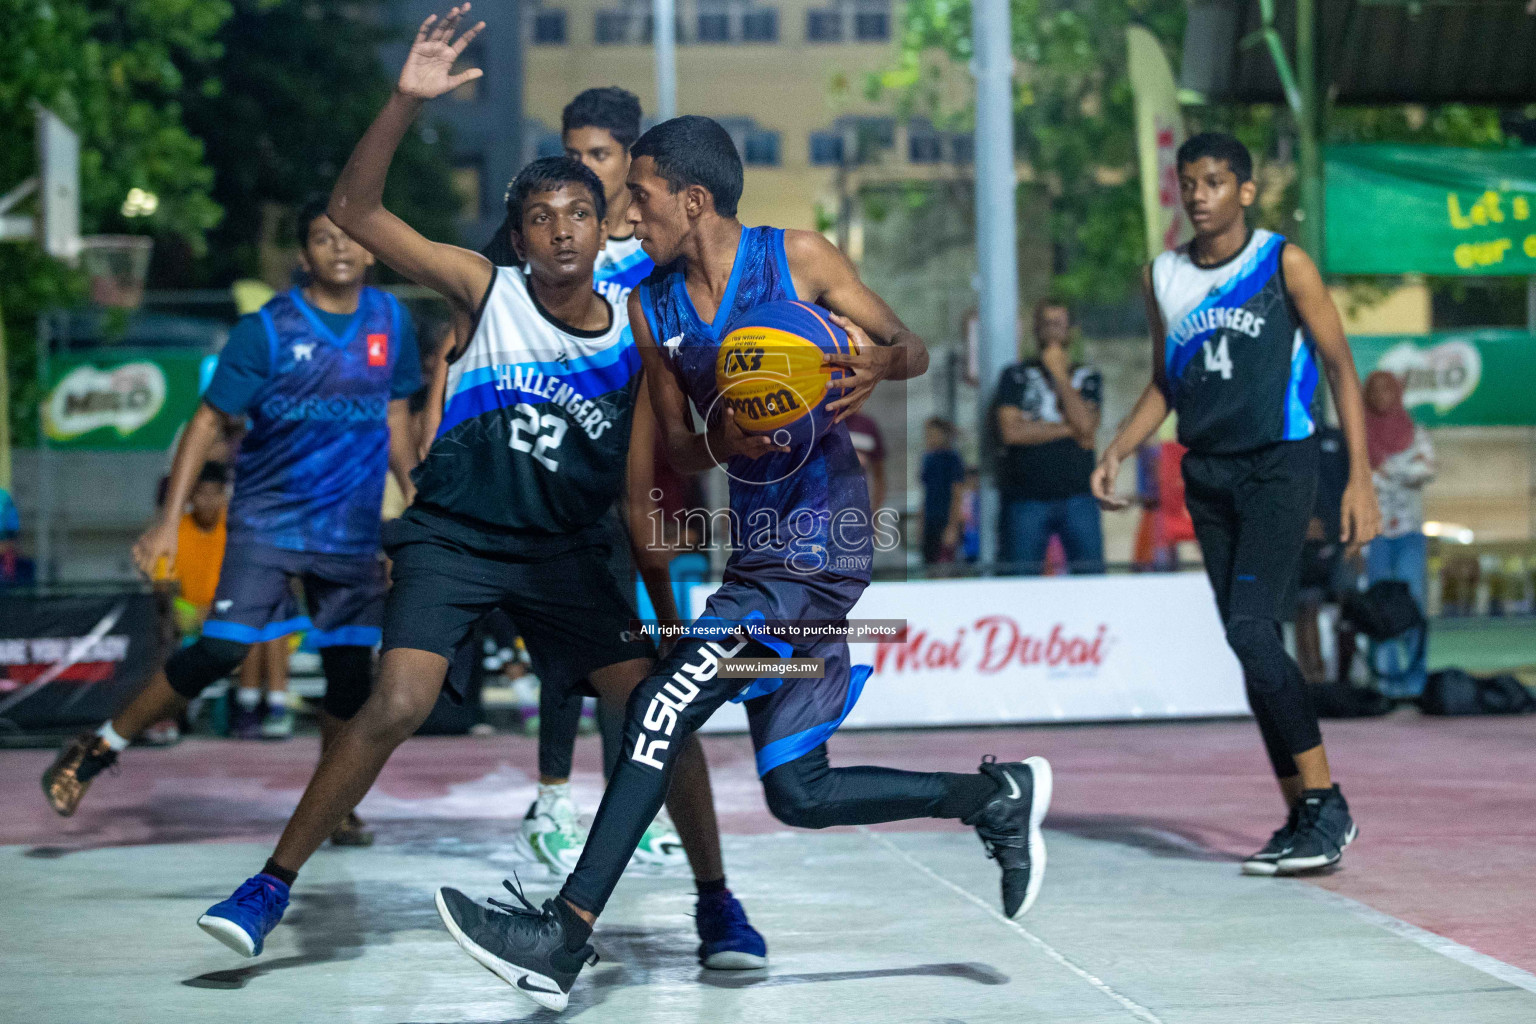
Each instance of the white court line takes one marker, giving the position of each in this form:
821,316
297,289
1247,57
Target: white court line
1135,1008
1449,948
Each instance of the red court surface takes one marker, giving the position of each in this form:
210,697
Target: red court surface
1446,807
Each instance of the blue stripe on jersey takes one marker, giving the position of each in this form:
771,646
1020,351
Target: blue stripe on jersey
622,351
1298,396
346,636
797,745
487,396
243,634
1234,292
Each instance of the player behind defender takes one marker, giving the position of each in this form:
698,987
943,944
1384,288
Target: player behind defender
597,128
529,454
323,374
1239,318
803,545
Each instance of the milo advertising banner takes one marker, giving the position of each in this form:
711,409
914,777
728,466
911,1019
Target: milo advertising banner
1430,210
119,399
1479,378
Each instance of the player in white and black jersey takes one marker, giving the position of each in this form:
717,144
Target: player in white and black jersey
598,128
1240,318
528,456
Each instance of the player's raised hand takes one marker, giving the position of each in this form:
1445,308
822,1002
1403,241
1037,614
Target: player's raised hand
728,439
866,365
428,71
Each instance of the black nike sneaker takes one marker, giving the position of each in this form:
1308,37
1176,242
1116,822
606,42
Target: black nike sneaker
523,946
1323,829
1264,862
1009,826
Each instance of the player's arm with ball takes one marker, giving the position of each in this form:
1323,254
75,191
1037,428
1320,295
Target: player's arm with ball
357,201
686,451
884,348
1147,415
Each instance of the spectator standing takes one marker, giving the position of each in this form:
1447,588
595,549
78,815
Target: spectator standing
1402,462
1046,414
943,474
870,445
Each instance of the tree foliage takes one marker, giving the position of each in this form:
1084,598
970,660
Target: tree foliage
1074,122
116,71
1073,117
297,85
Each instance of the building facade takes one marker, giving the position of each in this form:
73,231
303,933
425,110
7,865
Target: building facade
785,77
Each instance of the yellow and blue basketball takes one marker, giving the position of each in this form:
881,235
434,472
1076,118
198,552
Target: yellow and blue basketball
770,372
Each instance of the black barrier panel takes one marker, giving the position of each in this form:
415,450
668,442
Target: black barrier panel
72,660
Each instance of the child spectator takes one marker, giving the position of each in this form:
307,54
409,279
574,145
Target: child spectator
943,472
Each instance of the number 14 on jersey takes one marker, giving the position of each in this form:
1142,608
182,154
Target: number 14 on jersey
1219,359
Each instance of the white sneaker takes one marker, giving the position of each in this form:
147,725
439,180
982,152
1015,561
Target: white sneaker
552,828
660,847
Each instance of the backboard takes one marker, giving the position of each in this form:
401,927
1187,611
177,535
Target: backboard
58,201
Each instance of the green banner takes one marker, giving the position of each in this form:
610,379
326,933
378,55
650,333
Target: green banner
1430,210
120,399
1458,378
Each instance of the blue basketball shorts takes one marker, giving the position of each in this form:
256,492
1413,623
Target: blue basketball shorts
257,598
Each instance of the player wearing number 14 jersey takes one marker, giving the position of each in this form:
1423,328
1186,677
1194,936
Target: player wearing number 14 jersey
1240,318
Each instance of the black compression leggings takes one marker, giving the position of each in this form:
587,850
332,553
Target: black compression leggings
670,704
559,721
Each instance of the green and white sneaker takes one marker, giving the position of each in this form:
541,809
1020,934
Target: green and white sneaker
552,829
660,847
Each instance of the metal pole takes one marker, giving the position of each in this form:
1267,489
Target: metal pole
45,502
664,18
1308,127
997,257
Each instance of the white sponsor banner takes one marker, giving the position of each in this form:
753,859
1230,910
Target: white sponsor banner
1053,649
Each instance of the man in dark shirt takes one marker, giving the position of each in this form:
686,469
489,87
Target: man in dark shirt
1047,413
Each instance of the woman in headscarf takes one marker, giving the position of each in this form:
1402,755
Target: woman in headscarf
1402,462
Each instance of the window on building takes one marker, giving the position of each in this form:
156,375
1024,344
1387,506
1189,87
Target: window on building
824,26
611,27
871,25
465,178
549,27
963,149
713,27
925,146
760,26
762,148
826,148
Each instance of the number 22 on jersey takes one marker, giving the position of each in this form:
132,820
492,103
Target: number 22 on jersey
1219,359
537,434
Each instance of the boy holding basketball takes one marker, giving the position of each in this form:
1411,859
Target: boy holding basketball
685,181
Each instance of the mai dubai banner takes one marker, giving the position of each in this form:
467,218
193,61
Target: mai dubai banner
1038,649
120,399
1476,378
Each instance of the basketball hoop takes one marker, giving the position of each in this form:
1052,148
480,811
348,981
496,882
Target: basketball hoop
116,266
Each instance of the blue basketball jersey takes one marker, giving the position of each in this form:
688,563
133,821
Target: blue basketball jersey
309,475
795,515
620,266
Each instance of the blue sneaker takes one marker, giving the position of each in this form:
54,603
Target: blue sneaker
727,940
243,921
